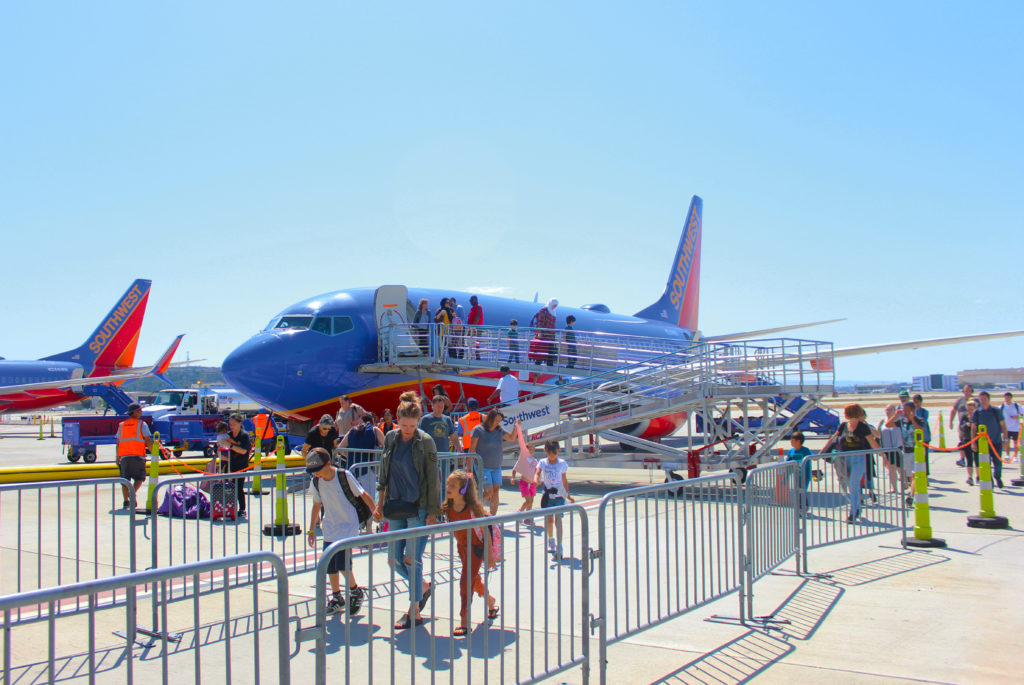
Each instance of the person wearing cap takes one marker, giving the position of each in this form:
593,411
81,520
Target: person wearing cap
544,321
470,420
336,492
133,443
324,435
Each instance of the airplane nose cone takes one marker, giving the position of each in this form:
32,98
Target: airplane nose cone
257,369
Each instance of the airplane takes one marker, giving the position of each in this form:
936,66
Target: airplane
105,358
311,352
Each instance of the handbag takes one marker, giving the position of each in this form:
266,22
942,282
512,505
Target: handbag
400,509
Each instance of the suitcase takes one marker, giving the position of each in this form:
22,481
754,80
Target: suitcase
223,498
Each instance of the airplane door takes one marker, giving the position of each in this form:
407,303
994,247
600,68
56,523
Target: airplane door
389,308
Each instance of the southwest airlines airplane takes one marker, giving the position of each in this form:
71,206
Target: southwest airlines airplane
310,353
106,357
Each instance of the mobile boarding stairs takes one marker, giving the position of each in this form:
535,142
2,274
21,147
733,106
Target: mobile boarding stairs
738,399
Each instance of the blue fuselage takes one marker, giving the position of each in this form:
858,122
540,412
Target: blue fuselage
300,372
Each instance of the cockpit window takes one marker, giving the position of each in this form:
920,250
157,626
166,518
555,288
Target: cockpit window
297,322
322,324
342,324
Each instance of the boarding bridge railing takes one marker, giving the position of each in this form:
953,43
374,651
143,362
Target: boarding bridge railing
694,382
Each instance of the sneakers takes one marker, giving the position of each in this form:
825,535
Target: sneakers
960,462
999,482
124,505
970,481
558,551
551,545
355,600
335,605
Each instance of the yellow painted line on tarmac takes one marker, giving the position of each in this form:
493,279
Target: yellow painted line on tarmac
22,474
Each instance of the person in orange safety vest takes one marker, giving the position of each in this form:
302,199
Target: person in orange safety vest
133,443
470,420
263,429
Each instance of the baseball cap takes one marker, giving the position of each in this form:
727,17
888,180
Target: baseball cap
473,403
134,407
326,420
316,459
904,393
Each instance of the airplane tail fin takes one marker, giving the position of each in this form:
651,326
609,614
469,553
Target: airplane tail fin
112,345
678,304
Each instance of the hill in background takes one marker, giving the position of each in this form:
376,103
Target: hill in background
181,377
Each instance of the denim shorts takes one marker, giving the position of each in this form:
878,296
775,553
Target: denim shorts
491,477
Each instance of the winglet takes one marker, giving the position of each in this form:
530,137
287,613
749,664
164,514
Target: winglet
678,304
165,359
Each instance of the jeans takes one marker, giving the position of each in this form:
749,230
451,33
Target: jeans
855,463
997,463
414,549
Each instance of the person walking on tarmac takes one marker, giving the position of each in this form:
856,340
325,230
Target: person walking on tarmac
133,443
470,420
238,457
991,417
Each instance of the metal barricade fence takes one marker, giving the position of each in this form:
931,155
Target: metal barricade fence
68,546
73,646
771,524
178,540
541,627
665,550
852,495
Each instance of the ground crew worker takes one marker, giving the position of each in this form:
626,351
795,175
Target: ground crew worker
263,424
470,420
133,442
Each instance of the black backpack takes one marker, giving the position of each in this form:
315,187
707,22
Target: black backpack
362,511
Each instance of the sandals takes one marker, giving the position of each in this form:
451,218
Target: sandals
493,612
405,623
460,631
426,595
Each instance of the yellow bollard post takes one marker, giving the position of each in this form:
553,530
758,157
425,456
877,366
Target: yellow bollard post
942,433
154,474
987,517
281,526
40,430
922,514
257,481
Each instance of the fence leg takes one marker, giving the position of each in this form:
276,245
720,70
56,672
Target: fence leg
987,517
922,515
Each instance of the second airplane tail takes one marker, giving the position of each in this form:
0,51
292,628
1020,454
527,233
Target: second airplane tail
678,304
112,345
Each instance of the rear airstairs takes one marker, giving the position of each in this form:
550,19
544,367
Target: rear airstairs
608,384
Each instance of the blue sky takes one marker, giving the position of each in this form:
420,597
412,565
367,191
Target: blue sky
855,159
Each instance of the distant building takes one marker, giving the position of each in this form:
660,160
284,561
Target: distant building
935,381
992,378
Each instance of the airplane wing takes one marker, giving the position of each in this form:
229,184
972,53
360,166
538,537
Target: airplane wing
763,331
914,344
156,369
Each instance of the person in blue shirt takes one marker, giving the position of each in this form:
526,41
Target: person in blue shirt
797,452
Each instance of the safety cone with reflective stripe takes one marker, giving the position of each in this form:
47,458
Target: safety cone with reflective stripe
257,480
1020,458
280,526
987,517
154,474
922,514
942,433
